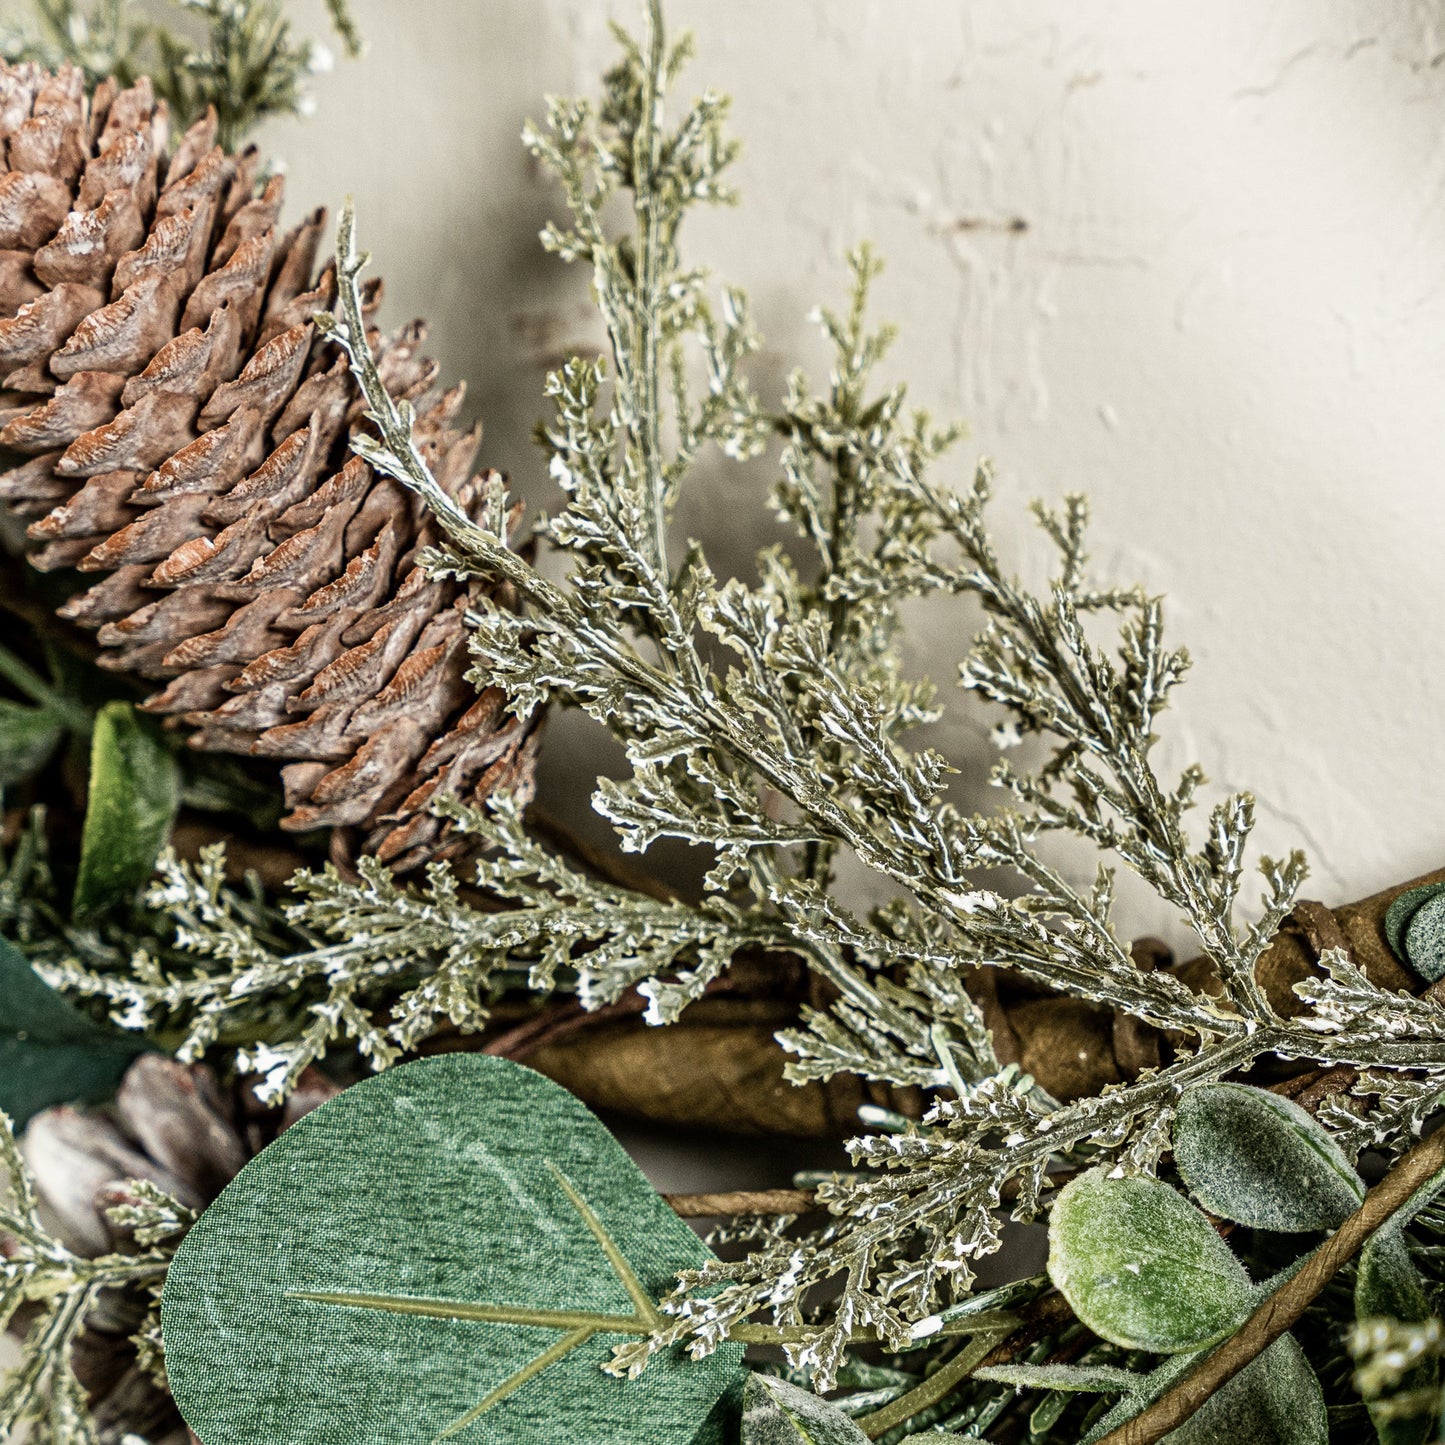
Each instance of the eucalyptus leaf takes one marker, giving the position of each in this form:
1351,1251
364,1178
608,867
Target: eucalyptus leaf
1402,909
49,1052
1261,1160
1142,1267
777,1413
448,1250
1425,939
1274,1400
28,737
1162,1377
134,793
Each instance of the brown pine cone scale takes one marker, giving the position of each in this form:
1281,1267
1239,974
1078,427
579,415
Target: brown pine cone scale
171,419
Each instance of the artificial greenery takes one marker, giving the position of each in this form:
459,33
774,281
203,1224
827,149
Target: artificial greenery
462,1198
60,1288
237,55
771,724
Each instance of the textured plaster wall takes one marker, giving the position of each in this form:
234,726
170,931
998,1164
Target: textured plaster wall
1189,259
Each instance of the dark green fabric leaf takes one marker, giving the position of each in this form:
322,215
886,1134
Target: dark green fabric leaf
1387,1284
28,736
427,1256
1402,909
1425,939
1142,1267
777,1413
50,1053
134,792
1261,1160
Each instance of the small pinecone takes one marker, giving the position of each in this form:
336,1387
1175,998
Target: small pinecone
171,1125
170,416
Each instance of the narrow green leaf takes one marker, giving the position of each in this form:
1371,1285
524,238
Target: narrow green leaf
134,792
447,1251
49,1052
1142,1267
1089,1379
777,1413
1259,1159
28,736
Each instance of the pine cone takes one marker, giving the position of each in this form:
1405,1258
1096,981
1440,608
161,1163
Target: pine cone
171,1125
173,419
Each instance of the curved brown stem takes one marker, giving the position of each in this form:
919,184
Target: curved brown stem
737,1203
1284,1306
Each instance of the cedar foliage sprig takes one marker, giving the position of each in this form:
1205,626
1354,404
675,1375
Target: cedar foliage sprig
768,723
237,55
36,1269
379,964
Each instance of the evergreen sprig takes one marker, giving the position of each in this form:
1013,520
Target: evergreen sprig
771,723
237,55
767,723
37,1270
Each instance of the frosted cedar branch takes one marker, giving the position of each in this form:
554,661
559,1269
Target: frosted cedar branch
769,723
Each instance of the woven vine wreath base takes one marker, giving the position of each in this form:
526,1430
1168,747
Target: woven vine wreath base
719,1067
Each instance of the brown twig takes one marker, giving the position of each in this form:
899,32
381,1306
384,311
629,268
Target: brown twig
741,1202
1285,1305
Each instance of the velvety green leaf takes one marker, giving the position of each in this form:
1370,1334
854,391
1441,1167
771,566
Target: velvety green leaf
1142,1267
1274,1400
1387,1284
1162,1377
50,1053
28,736
1259,1159
1425,939
134,792
777,1413
450,1249
1402,909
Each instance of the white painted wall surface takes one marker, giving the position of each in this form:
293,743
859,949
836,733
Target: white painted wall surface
1223,318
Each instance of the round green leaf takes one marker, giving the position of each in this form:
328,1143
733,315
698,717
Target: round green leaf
1274,1400
1402,910
1425,938
449,1250
777,1413
1259,1159
1142,1267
